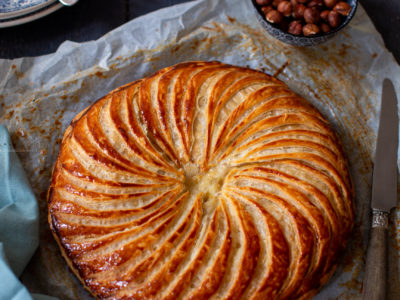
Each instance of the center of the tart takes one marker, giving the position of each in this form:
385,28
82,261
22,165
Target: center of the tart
209,183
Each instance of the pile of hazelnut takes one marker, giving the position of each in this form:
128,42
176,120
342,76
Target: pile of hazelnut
305,17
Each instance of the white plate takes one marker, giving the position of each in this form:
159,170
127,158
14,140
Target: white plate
31,15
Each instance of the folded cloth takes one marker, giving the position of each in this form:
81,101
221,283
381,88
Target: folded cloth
19,223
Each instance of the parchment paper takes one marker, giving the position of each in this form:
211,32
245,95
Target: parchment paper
39,96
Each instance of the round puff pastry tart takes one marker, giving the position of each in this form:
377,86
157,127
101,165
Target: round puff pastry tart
203,181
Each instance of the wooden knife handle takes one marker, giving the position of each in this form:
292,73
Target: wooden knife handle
374,285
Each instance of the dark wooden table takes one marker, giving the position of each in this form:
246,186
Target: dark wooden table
90,19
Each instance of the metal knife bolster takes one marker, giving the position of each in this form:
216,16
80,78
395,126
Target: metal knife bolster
380,219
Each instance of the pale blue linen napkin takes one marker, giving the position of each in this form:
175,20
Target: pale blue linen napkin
19,223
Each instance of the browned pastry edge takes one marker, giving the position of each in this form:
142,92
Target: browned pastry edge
66,258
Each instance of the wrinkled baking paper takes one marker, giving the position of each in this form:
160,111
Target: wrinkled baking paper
40,95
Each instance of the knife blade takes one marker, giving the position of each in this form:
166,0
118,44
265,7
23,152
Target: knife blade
384,181
384,194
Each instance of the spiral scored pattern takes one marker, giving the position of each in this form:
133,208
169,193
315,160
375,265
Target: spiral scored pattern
203,181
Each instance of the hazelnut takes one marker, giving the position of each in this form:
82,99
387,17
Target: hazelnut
275,3
274,16
294,2
342,8
330,3
285,8
324,15
333,19
264,2
266,9
310,29
295,27
298,11
302,1
311,15
325,27
316,3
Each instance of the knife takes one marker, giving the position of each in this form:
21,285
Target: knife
384,194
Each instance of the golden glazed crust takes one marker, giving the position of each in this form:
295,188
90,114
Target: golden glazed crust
203,181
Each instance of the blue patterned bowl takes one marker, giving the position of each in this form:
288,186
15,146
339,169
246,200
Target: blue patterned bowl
301,40
15,8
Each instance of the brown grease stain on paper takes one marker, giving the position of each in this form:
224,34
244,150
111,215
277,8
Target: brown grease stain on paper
17,73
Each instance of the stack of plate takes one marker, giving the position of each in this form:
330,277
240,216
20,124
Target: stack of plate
15,12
